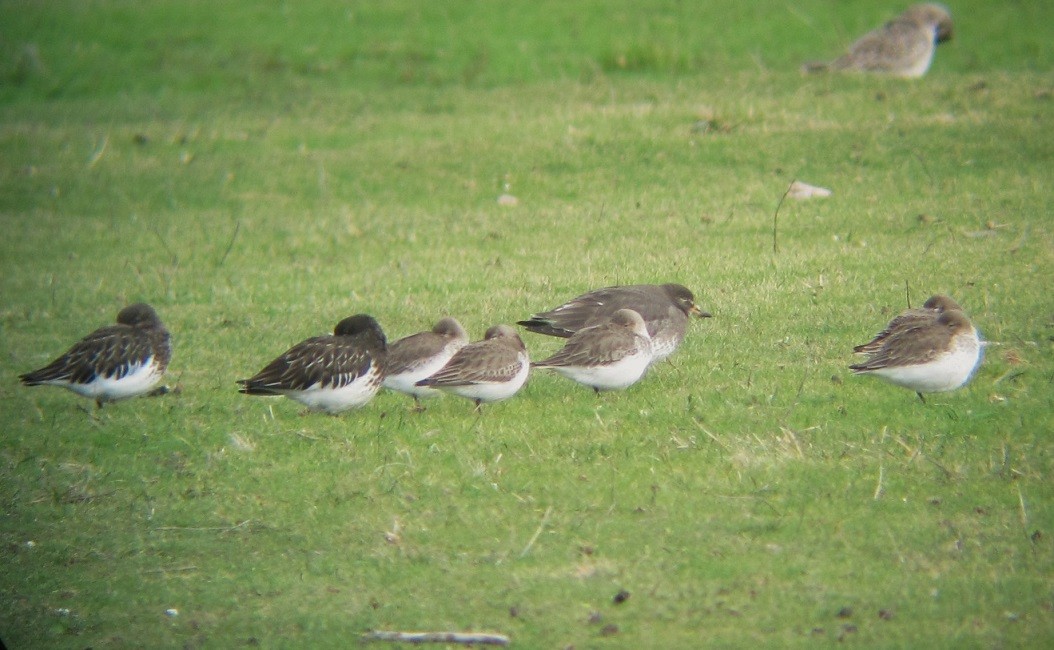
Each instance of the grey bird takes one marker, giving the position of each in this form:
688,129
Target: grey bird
421,355
485,371
611,355
903,47
665,309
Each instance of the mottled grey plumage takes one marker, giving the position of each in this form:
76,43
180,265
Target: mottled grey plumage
114,362
485,371
611,355
665,309
327,373
903,47
419,356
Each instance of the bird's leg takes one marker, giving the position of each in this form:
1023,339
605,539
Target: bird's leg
921,397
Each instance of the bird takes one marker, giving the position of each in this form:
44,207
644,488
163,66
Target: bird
903,47
328,373
611,355
421,355
490,370
927,357
665,309
929,311
114,362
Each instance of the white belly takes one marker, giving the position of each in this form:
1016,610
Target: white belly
336,400
494,391
405,382
946,373
139,379
621,374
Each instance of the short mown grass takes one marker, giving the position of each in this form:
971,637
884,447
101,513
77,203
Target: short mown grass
257,174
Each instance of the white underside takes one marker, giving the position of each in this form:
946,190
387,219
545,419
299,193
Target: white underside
945,373
335,400
919,68
494,391
404,382
622,374
138,380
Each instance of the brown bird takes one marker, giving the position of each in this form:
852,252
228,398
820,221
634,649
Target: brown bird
903,47
927,356
328,373
421,355
114,362
485,371
929,312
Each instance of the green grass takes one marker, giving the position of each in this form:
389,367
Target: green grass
258,174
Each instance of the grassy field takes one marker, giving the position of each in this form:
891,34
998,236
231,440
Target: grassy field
259,173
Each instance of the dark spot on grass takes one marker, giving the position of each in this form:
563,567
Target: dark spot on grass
609,630
885,614
845,612
621,597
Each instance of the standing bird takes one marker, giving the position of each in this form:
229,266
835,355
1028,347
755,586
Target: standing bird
421,355
611,355
114,362
664,307
328,373
903,47
929,312
927,357
485,371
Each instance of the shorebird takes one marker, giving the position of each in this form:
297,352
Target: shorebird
611,355
327,373
903,47
421,355
114,362
928,357
485,371
665,309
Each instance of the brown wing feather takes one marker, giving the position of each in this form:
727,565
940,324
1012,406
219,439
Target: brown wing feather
909,318
324,360
406,353
592,307
595,346
106,352
483,362
908,346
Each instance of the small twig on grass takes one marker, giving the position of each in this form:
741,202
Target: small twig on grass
1024,512
225,529
97,156
776,214
907,293
879,489
467,638
178,569
711,435
230,244
534,537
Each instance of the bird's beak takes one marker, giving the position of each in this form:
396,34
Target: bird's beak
699,313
